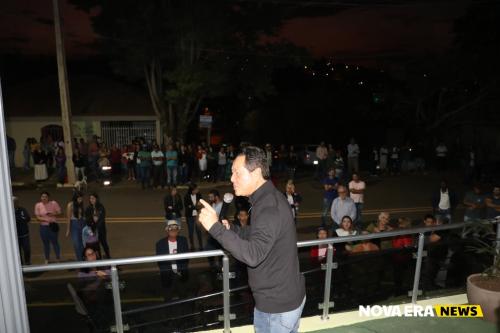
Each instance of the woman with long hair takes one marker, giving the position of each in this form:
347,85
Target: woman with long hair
40,164
75,214
89,254
46,212
96,208
346,229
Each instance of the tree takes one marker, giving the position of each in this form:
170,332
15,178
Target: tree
187,51
458,87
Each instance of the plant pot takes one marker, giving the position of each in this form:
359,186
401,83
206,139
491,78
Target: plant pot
488,299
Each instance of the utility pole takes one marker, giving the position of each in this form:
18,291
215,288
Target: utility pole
64,95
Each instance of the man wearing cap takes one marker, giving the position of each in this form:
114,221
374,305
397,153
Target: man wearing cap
269,249
173,274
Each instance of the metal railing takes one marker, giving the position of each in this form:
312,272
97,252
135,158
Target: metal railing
325,306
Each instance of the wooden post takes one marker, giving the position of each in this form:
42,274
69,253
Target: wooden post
64,95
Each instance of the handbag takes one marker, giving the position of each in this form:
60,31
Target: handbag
54,226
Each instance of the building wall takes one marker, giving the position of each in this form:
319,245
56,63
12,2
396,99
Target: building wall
21,129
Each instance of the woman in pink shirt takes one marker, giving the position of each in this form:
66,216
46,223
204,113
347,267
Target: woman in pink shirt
46,212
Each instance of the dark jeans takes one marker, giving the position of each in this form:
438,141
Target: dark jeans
158,176
25,249
192,227
76,228
359,211
174,285
49,237
61,173
145,176
321,169
183,174
172,175
212,244
103,240
221,172
325,213
94,167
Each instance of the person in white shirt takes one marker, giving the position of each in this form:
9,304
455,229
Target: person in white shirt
158,160
321,155
173,274
441,154
357,193
384,153
353,156
444,202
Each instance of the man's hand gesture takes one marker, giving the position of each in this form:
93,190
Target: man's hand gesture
208,215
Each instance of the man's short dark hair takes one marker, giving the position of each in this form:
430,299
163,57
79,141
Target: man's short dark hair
255,158
215,193
429,216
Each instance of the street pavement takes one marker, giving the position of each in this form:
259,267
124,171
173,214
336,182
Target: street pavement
135,222
135,217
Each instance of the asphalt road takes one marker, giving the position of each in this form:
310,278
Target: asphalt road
135,216
135,222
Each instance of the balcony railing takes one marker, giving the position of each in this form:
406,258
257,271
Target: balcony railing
329,265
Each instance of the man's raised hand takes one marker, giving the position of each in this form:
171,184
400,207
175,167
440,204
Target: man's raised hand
208,215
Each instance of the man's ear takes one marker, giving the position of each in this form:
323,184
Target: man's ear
256,172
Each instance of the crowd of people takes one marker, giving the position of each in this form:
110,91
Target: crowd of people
155,165
166,167
86,226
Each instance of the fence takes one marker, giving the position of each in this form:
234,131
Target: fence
325,306
122,132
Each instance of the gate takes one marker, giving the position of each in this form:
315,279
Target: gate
123,132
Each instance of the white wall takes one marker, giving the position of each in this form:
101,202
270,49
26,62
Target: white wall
21,129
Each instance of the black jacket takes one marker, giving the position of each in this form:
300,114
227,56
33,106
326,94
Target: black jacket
101,211
188,204
173,206
162,248
269,250
22,219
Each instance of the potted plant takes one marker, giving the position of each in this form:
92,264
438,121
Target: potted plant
484,288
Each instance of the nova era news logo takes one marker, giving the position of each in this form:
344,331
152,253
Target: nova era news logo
439,310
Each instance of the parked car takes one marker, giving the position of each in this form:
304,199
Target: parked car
307,154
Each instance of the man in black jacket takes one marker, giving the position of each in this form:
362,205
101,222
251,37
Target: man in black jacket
270,248
23,232
173,274
173,205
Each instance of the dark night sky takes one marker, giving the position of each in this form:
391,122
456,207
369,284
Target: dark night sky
353,35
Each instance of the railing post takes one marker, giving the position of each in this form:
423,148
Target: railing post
115,283
225,285
418,267
497,245
328,282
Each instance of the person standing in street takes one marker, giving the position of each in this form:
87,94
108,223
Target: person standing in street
357,193
269,249
352,156
75,213
96,209
23,231
47,211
